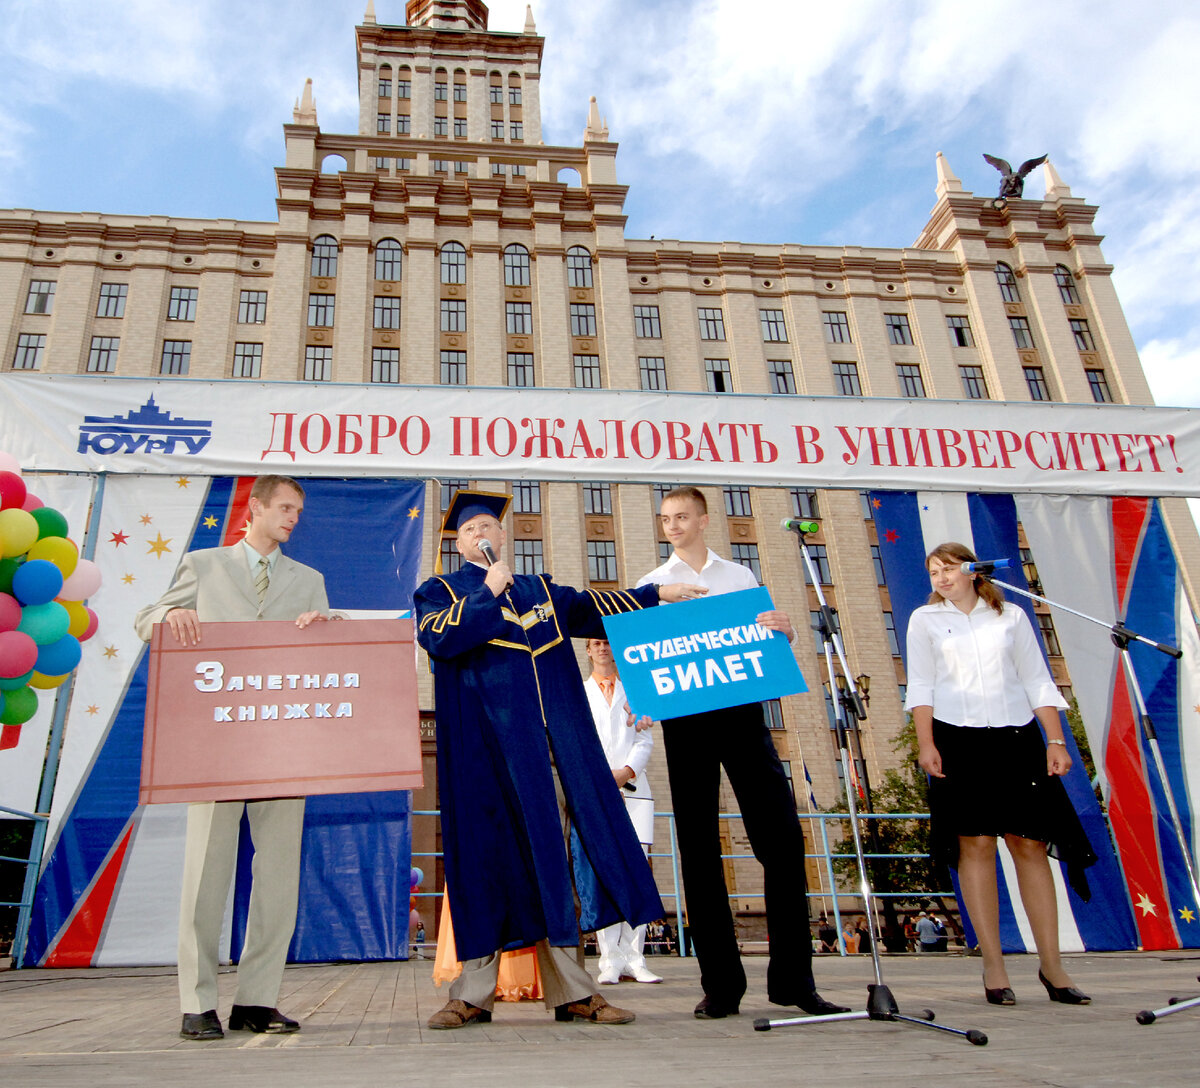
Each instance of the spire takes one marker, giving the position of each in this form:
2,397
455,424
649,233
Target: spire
597,129
369,16
1055,189
530,25
305,111
947,182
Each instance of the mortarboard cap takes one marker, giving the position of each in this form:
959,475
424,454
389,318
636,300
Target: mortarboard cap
469,504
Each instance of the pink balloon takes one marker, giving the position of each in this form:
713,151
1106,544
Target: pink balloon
12,489
18,653
93,623
8,463
32,502
10,612
84,581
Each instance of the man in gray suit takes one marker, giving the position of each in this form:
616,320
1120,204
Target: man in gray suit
252,580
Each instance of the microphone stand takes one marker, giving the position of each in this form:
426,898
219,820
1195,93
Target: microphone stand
881,1005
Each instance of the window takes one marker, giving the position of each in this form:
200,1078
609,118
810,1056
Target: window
773,714
773,328
497,169
454,368
252,308
909,377
837,328
527,556
176,356
516,130
404,164
454,263
717,377
1098,384
845,378
1082,334
460,128
518,318
652,372
388,256
898,329
646,324
1049,635
496,94
320,310
804,503
602,561
387,312
383,124
661,491
516,266
814,623
439,166
1066,285
1022,334
403,124
821,562
441,91
597,499
447,489
385,87
889,625
385,365
877,563
497,130
973,383
737,502
452,559
712,323
587,371
112,300
404,88
1029,567
520,369
579,267
779,373
960,330
527,497
41,297
747,555
664,551
583,319
454,315
1035,378
1007,282
460,92
514,96
102,356
247,360
182,305
381,163
324,256
441,126
318,363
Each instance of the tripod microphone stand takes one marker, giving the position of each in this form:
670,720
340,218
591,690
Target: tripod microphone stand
881,1005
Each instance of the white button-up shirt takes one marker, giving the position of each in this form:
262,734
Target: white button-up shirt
977,669
717,575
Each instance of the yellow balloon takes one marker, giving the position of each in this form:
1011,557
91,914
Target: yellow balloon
57,550
79,616
18,531
37,680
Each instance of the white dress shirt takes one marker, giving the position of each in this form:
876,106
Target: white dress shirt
977,669
717,575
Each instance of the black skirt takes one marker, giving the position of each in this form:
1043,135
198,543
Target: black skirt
996,784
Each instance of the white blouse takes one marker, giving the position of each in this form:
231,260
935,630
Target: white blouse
977,669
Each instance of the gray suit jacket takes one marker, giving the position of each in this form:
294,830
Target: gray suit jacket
216,582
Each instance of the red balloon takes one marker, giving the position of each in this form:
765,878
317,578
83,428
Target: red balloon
31,503
90,629
10,612
12,490
18,653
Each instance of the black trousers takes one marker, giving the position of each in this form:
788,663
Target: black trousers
697,747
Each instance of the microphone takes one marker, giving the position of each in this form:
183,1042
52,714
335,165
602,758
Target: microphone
795,525
986,566
485,546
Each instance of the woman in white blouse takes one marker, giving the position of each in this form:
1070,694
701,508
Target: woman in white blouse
977,688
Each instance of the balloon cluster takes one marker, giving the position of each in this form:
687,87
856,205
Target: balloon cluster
415,877
43,584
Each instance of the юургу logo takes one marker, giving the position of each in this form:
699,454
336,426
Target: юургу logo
148,429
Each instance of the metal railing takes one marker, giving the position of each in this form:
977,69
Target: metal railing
29,885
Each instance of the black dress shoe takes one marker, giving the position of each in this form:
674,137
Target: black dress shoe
201,1025
712,1009
1068,995
815,1005
261,1019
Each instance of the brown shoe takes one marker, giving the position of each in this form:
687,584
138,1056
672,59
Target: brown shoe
458,1014
595,1010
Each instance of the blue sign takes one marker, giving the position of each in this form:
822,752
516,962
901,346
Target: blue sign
702,655
147,429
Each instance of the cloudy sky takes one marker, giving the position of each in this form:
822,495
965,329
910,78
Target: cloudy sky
773,121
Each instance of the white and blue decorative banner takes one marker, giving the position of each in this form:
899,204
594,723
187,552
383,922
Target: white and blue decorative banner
702,655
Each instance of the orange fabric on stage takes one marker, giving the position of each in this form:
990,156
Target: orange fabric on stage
518,979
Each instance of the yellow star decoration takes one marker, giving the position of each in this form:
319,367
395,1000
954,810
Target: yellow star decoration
1196,708
183,481
129,579
93,709
110,652
414,511
159,546
210,522
146,519
1146,906
1186,914
246,527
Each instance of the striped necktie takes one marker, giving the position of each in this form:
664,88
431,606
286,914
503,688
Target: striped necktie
262,579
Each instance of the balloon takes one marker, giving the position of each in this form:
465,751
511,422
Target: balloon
415,877
18,530
8,617
78,614
37,582
93,623
12,490
32,502
8,567
11,683
414,920
44,623
18,653
41,680
83,582
19,706
58,658
57,550
8,463
50,522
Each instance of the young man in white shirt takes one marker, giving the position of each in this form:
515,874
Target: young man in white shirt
737,738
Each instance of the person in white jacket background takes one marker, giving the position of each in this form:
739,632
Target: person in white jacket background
627,749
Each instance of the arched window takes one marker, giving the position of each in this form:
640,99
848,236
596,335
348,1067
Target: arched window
460,85
514,89
1066,285
324,256
387,259
385,81
495,89
579,267
516,266
1007,282
441,88
454,263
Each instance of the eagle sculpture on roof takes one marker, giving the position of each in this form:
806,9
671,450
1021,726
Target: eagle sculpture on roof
1012,185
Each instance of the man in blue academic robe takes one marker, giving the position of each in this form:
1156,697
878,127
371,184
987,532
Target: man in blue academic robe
519,764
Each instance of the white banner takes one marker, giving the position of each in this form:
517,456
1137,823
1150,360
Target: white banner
179,425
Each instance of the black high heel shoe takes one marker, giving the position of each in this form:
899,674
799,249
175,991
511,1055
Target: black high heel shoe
1001,995
1068,995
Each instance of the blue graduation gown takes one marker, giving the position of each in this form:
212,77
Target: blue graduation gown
508,689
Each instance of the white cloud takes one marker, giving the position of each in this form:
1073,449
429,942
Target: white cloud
1172,368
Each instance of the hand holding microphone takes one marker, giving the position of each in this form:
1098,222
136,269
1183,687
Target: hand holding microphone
499,575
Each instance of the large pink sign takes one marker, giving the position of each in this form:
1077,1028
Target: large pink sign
265,709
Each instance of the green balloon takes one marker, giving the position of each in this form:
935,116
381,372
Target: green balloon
11,683
50,522
8,567
19,706
44,623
